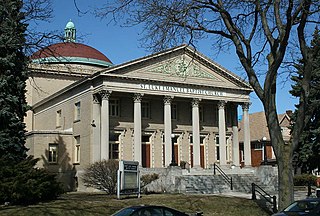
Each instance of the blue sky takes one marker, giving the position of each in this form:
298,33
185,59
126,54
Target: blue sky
121,44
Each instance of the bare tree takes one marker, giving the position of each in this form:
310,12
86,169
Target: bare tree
37,12
259,30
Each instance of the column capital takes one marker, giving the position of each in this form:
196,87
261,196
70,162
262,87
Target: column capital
195,102
137,97
96,98
245,106
167,99
105,94
222,104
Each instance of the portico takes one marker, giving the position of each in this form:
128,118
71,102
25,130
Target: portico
201,122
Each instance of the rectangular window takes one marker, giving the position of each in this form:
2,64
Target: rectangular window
227,149
114,154
114,146
201,139
258,146
53,153
145,139
114,107
174,111
58,119
77,111
77,149
145,109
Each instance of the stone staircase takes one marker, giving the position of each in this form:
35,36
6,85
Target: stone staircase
205,182
243,183
216,184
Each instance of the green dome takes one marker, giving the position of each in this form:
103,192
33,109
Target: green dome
70,25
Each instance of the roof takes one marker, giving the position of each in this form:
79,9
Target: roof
258,126
70,24
137,71
70,52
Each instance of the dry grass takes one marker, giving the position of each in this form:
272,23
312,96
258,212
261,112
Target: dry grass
101,204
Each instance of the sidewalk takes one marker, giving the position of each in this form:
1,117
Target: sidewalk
236,194
297,194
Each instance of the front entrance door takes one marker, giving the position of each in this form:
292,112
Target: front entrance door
146,155
201,155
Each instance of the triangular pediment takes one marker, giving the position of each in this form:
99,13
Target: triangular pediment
182,67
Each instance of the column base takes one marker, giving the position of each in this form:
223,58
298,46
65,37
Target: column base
247,166
173,164
197,167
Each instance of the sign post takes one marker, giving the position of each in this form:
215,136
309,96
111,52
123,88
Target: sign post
128,179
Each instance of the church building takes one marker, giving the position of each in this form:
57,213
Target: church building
172,107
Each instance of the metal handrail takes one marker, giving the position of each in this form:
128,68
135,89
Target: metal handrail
223,174
271,199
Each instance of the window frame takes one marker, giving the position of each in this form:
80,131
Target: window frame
228,148
77,149
112,143
77,111
58,118
258,146
114,107
53,156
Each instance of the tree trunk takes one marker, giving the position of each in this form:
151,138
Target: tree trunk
282,150
285,176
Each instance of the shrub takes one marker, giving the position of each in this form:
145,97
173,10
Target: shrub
305,180
148,178
24,184
102,175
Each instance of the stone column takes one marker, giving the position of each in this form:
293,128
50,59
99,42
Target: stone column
95,124
246,141
137,154
235,136
222,133
196,132
167,130
104,124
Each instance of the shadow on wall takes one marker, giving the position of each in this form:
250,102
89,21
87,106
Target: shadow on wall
58,161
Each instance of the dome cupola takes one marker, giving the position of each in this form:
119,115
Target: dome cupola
70,52
70,32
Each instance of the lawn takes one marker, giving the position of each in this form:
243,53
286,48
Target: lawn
101,204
